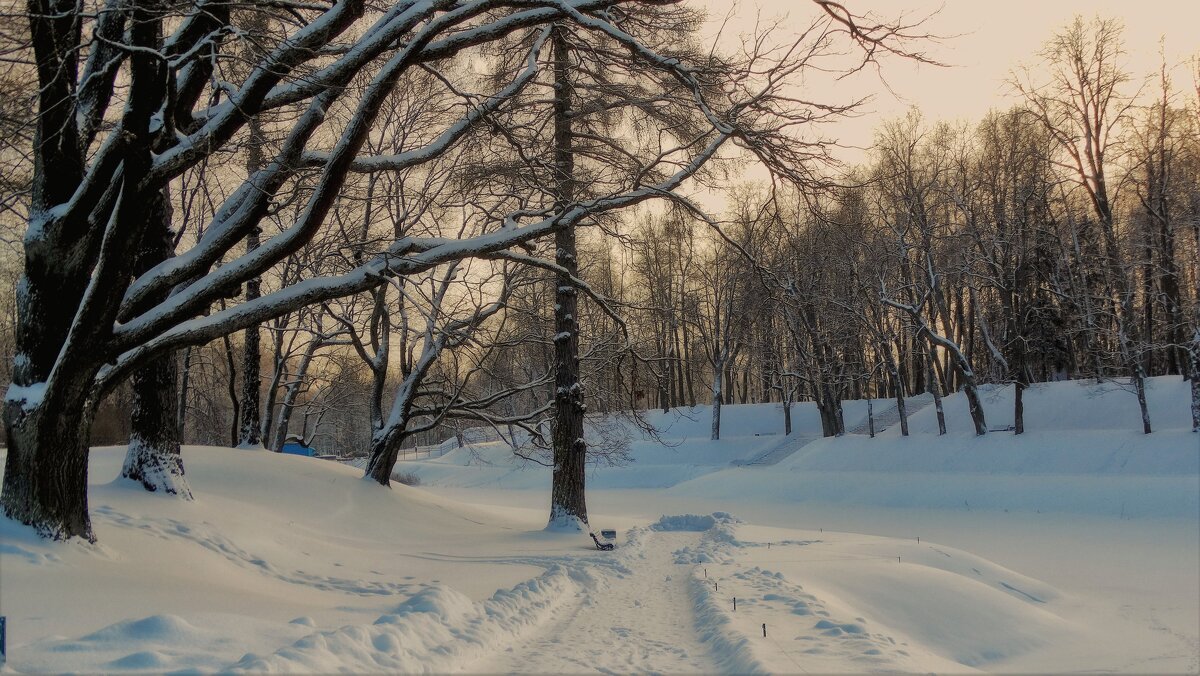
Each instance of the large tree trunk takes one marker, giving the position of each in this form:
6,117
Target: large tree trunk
153,458
47,419
830,408
974,404
385,449
568,504
45,473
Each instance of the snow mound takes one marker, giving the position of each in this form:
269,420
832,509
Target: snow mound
435,631
685,522
565,523
439,600
167,628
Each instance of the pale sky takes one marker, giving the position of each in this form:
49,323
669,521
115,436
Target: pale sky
995,36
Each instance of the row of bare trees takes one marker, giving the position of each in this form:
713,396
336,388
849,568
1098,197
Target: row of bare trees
1056,239
960,255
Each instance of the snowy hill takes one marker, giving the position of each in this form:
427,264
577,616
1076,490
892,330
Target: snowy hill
1077,550
1081,436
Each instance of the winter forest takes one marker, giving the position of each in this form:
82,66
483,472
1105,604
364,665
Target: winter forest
377,229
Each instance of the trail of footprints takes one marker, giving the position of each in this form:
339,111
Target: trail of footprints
806,627
212,540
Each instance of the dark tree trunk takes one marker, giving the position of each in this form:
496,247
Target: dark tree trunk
1194,348
830,407
1019,407
250,429
231,388
935,391
717,399
1195,377
870,417
385,449
898,383
47,419
181,405
682,370
45,473
278,367
153,458
568,504
839,413
1149,298
1020,370
685,366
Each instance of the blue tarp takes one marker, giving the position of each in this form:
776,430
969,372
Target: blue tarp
299,449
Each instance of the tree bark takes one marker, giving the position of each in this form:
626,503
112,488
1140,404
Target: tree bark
898,383
250,428
1195,376
278,366
385,449
45,472
718,365
933,389
231,388
568,504
870,417
153,458
181,402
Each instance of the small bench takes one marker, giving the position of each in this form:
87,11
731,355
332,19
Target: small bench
603,546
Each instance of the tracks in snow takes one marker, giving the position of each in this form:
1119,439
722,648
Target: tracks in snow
642,621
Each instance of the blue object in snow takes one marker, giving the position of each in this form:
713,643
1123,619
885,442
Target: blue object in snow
299,449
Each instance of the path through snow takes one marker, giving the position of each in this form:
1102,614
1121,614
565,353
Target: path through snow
642,621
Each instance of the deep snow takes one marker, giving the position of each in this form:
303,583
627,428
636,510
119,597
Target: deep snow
1074,547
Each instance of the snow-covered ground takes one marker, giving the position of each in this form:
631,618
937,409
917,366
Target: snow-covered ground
1075,547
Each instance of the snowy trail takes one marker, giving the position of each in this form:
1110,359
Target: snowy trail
642,621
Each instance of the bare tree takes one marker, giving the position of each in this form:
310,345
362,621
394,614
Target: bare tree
1082,106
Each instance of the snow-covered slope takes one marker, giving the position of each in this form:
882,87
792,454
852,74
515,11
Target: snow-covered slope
1083,451
1073,547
